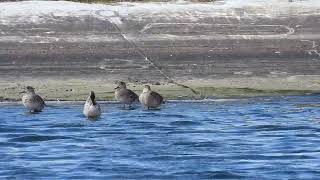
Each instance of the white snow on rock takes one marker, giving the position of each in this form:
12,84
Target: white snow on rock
39,11
221,7
29,8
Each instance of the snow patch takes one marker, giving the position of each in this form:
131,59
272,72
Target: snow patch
29,8
39,11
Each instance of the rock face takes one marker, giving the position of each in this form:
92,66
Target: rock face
177,41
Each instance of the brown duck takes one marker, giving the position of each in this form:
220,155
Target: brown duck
124,95
150,99
91,108
32,101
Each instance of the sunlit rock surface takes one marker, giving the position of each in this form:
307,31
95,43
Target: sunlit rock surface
255,44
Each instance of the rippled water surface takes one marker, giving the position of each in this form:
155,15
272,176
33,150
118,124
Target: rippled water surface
255,138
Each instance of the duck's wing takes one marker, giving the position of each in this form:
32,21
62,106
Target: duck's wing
39,100
157,96
133,95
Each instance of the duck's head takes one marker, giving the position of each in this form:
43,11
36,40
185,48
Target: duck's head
121,84
28,89
92,97
146,88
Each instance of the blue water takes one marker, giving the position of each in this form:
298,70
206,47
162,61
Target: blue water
255,138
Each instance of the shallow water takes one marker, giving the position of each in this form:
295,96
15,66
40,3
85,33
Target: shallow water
255,138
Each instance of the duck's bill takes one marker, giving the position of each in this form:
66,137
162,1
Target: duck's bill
117,87
21,92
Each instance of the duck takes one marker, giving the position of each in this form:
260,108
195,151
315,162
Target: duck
150,99
124,96
32,101
91,108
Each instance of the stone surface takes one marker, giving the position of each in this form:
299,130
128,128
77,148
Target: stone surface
216,45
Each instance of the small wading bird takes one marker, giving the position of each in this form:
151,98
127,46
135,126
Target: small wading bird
91,107
150,99
32,101
124,95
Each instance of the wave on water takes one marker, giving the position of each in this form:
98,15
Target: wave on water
36,138
245,138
